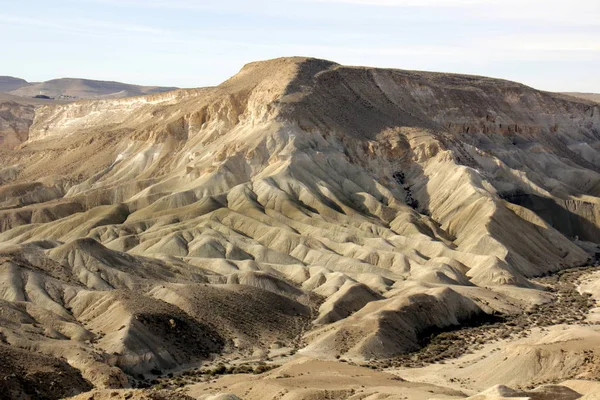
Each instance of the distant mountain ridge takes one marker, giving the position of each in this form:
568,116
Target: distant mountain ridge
586,96
19,100
10,83
76,88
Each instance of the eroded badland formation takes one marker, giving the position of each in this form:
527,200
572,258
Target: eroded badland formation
304,230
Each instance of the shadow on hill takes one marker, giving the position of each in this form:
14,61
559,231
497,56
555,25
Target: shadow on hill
348,100
558,215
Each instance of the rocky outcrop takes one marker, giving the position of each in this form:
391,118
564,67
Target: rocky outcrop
15,119
390,201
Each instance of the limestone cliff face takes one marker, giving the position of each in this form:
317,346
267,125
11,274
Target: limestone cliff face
372,190
449,150
15,120
515,139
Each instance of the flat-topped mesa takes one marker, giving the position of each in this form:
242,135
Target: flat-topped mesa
357,101
394,135
396,202
285,73
366,101
248,96
283,113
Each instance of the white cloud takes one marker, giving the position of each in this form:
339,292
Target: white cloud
172,4
81,26
499,37
105,25
539,44
573,12
407,3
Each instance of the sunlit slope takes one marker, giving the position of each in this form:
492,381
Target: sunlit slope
378,204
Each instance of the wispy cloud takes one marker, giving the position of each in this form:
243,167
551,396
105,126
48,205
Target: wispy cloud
405,3
81,26
203,4
171,4
519,38
537,44
573,12
122,27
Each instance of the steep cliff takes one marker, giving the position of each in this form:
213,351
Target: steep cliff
399,202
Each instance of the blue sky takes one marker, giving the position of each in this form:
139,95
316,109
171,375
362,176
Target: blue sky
547,44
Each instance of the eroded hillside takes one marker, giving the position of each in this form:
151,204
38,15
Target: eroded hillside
16,117
299,206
